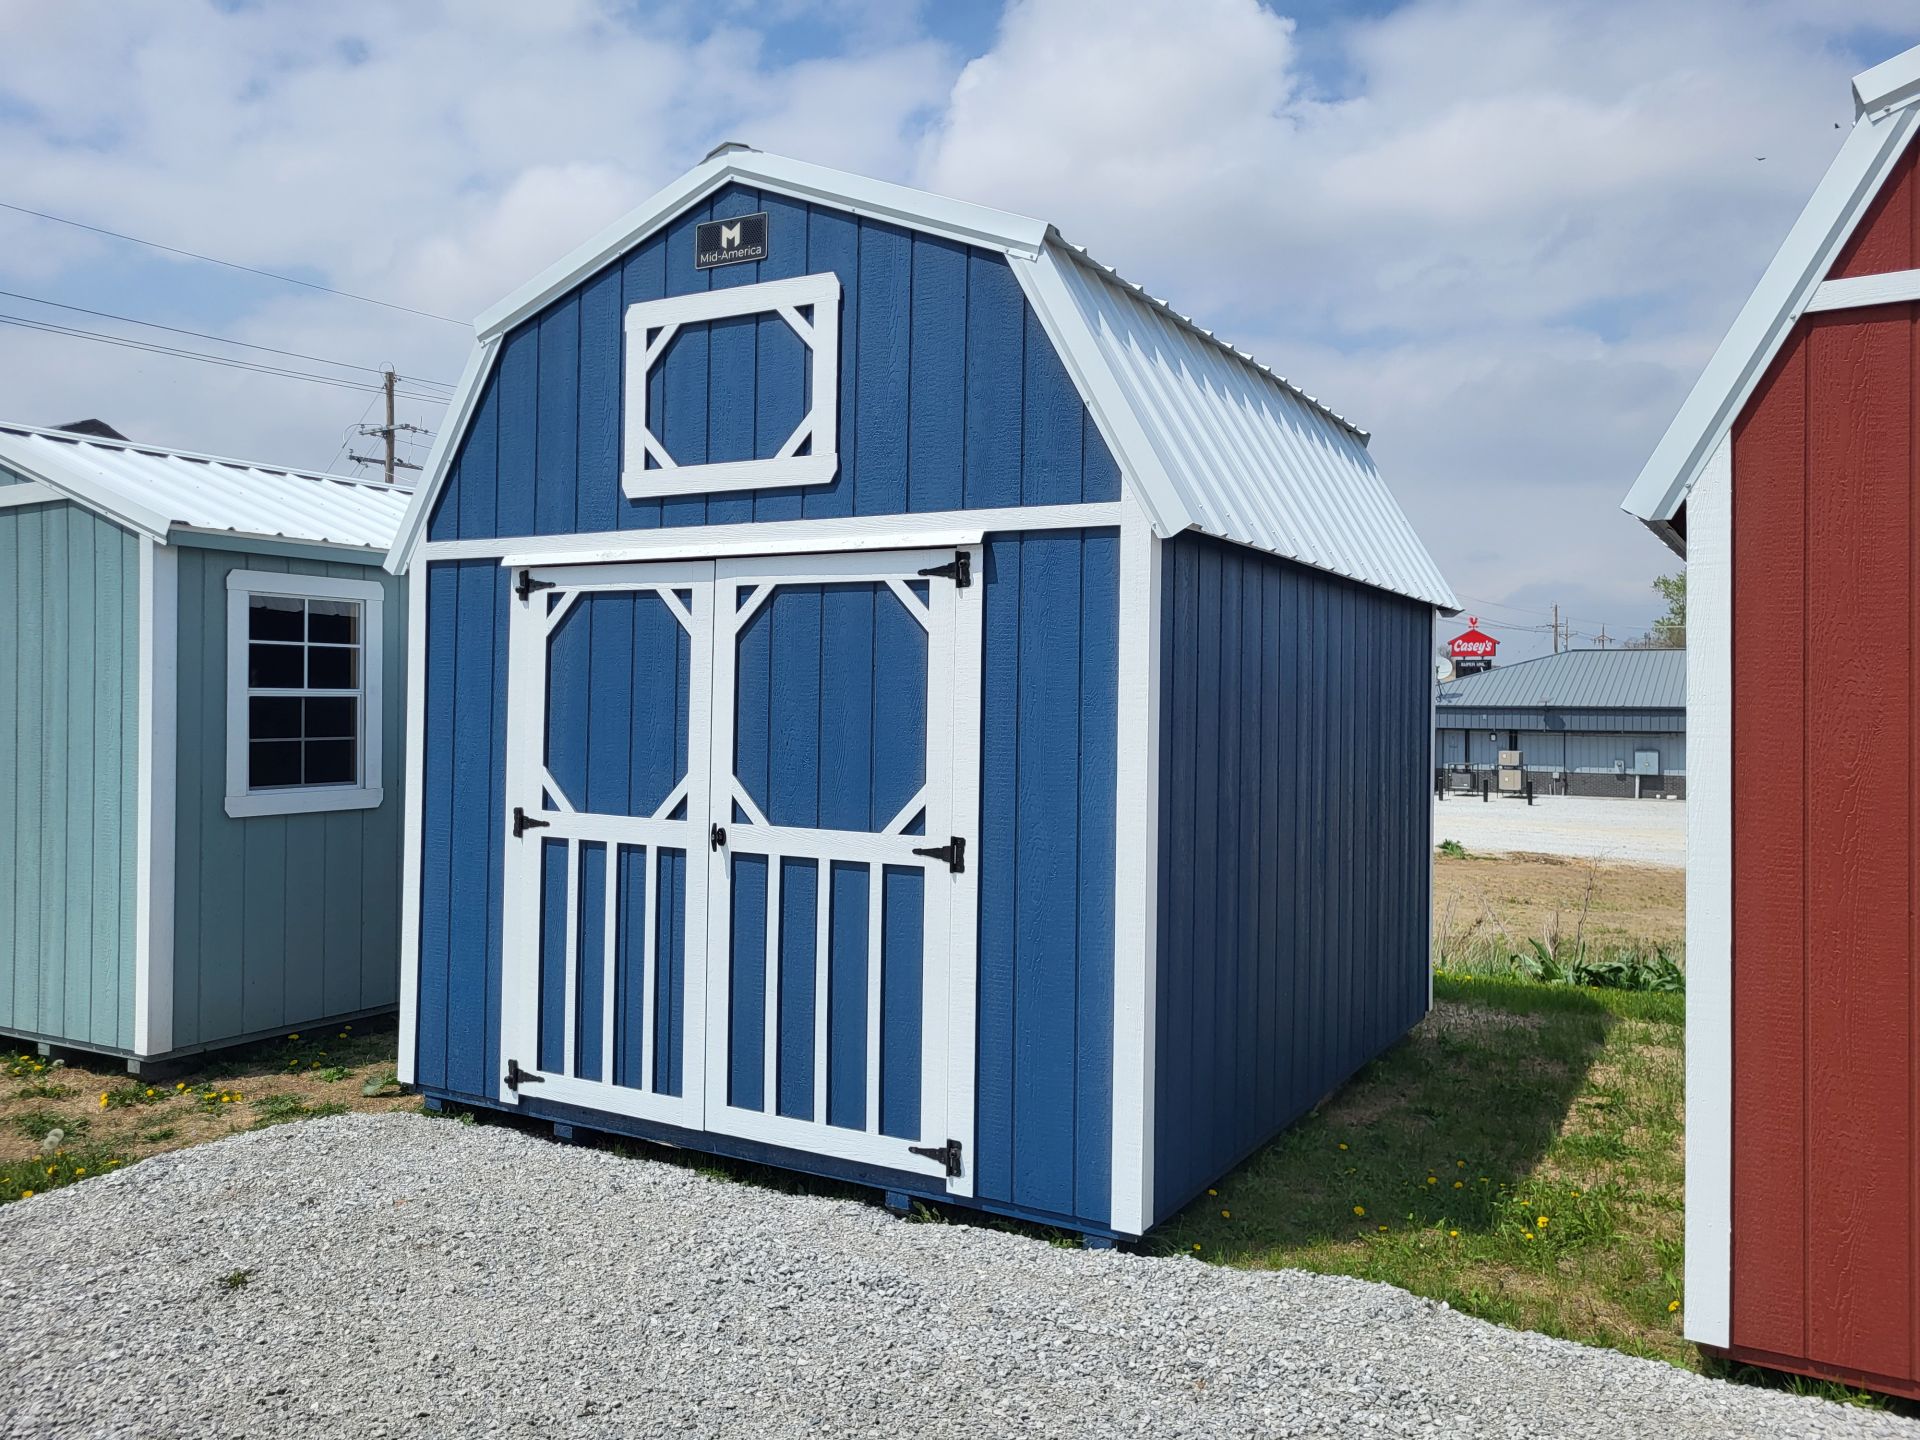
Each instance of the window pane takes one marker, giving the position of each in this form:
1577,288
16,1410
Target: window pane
331,719
273,667
274,718
273,763
333,667
334,622
329,762
273,617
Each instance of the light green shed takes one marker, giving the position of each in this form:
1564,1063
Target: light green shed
201,700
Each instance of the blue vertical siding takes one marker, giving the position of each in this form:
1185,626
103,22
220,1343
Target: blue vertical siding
1049,713
950,395
1295,830
463,836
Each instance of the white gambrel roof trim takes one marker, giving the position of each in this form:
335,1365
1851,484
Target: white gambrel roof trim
1210,438
156,491
1885,116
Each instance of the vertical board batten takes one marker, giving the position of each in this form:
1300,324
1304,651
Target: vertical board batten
950,395
1295,722
69,692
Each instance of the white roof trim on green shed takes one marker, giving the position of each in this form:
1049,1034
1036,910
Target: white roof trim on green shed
1206,437
155,491
1885,116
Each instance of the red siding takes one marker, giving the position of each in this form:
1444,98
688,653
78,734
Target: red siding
1824,1217
1888,236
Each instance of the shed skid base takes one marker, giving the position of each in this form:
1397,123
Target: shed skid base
1906,1389
586,1126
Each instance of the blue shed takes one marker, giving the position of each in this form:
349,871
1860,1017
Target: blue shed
200,709
893,700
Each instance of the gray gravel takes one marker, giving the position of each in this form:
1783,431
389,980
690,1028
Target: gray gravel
417,1277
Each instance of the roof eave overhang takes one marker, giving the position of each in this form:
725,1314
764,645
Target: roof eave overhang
1885,98
875,199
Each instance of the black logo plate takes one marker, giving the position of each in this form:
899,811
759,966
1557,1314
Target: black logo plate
729,242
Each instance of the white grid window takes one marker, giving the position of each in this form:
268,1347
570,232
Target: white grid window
303,693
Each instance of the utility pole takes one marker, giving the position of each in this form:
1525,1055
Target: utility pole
1556,628
1602,636
387,431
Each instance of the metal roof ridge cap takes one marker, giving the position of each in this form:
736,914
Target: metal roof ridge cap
1082,256
1892,83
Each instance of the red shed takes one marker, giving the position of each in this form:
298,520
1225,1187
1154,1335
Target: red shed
1789,481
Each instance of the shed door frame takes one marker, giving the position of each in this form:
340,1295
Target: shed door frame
955,615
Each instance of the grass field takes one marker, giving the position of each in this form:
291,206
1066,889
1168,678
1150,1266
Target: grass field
107,1119
1519,1156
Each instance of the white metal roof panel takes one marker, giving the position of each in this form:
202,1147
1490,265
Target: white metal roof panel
1218,442
156,490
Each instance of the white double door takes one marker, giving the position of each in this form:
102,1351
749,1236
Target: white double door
740,881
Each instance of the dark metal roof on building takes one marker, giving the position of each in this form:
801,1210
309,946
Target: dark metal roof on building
1576,680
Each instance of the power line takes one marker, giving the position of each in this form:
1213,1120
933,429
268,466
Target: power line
231,264
217,339
126,342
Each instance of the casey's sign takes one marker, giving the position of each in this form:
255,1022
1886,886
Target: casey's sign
1475,644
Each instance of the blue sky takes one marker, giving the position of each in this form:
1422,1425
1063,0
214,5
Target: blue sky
1502,235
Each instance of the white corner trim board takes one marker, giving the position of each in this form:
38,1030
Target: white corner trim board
1136,871
1709,1217
243,800
154,803
414,790
1892,288
810,305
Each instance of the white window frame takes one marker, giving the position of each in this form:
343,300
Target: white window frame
650,328
243,802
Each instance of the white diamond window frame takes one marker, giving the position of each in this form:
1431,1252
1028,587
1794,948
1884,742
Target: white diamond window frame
650,328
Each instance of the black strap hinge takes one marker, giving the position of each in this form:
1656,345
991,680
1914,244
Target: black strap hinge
953,854
516,1077
528,585
959,570
947,1156
523,822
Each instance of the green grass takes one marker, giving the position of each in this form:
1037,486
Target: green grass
38,1124
22,1179
1433,1169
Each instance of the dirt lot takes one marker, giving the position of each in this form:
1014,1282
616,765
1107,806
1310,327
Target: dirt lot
108,1118
1509,899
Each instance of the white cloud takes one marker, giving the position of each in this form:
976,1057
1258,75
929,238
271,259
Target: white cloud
1501,234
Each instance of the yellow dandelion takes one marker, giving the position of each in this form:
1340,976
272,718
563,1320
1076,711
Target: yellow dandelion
1453,1234
26,1194
1226,1214
1672,1305
81,1171
1359,1209
49,1169
1461,1163
112,1163
1196,1247
180,1085
1526,1235
1383,1229
1541,1222
103,1099
1213,1192
1432,1181
1343,1144
293,1037
149,1092
1459,1184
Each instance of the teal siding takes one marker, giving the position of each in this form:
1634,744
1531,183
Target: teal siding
280,921
69,698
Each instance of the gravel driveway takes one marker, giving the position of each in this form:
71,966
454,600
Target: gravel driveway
1632,832
421,1278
